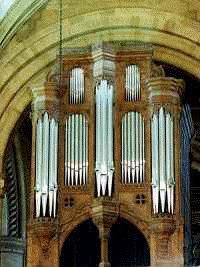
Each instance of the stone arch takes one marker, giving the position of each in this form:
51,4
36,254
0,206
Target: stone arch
13,159
84,212
79,215
172,43
9,118
131,217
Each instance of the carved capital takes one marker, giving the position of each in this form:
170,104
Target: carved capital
163,226
164,90
103,62
46,98
104,214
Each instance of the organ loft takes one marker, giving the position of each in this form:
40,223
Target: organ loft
110,155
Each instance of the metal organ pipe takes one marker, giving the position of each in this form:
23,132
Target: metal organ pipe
55,183
38,166
162,139
45,161
46,165
155,161
76,150
137,140
51,165
162,161
132,148
76,138
104,136
76,86
125,147
80,159
132,83
129,147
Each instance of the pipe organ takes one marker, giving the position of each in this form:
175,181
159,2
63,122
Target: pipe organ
110,134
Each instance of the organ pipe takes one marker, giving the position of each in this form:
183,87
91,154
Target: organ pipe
46,165
162,161
45,162
132,83
104,138
51,164
162,140
155,153
76,150
76,86
38,166
132,148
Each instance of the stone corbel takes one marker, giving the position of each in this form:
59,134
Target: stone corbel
44,230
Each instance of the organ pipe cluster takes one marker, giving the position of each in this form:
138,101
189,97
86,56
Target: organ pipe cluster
104,138
46,165
132,91
76,86
163,179
76,150
132,148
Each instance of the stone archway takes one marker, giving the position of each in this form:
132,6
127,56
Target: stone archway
127,245
82,246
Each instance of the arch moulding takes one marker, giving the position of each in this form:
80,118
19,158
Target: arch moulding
84,212
174,37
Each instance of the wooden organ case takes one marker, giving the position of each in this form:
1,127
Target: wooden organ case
106,145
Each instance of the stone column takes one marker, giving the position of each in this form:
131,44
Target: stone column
104,231
104,214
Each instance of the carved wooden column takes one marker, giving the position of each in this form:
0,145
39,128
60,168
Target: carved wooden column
42,249
165,106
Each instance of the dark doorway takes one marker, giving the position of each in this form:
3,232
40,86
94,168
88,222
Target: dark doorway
82,247
127,246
